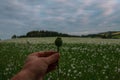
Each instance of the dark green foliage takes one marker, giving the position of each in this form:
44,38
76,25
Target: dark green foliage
44,33
14,36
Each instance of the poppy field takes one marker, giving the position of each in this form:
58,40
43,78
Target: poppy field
80,59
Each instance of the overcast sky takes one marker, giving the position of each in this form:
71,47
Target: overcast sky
67,16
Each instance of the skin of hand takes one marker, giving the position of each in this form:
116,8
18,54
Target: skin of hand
37,65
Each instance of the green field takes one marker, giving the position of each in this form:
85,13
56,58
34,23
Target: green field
81,59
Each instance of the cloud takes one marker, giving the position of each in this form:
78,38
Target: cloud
88,2
68,16
62,1
108,7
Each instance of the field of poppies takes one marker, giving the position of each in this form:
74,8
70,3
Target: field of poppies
81,59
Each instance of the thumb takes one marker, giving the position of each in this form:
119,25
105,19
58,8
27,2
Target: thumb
53,58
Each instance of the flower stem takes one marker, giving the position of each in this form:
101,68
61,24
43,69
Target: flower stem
58,72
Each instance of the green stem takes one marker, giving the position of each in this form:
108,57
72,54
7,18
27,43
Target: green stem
57,49
58,73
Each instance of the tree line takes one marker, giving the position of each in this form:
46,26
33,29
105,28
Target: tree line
43,33
105,35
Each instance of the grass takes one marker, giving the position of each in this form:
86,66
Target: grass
81,59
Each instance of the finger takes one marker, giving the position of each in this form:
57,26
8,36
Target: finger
37,54
51,67
53,58
49,53
43,54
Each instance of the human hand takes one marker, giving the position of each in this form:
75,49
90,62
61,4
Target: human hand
38,65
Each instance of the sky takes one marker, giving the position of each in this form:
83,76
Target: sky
67,16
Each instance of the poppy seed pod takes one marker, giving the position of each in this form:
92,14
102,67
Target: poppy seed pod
58,42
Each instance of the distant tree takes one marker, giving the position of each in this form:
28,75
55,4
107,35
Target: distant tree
22,36
109,35
43,33
103,36
14,36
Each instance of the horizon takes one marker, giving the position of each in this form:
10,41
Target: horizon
78,17
58,32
